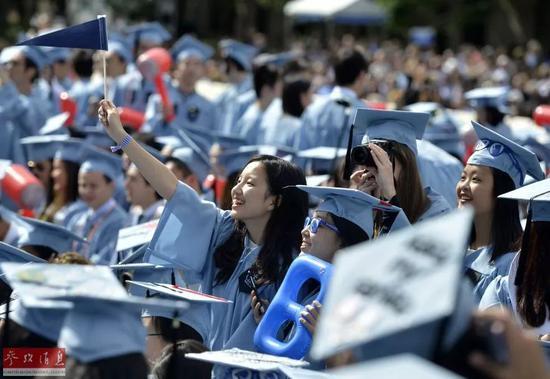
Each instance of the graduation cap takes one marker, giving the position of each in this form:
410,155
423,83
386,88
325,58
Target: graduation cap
97,299
70,149
195,161
96,136
56,54
34,54
152,33
235,160
122,50
41,148
401,126
9,253
396,367
42,233
497,151
353,205
405,298
96,160
55,125
188,46
242,53
279,60
495,97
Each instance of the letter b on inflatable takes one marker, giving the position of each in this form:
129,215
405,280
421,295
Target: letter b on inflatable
287,305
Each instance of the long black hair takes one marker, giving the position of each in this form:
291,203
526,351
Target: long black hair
533,289
282,234
350,233
506,228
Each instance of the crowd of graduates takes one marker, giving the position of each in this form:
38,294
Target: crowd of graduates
248,158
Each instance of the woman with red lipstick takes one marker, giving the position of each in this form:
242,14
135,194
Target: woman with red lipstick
497,166
220,252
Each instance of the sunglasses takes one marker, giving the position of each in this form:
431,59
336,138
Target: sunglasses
313,223
496,149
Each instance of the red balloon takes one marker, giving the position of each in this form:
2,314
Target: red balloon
67,104
132,118
541,115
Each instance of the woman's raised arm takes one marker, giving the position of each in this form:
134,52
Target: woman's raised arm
156,173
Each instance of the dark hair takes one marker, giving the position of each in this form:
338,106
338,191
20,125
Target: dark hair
132,365
292,91
348,66
29,64
506,228
493,115
83,63
169,366
232,62
265,75
282,234
164,326
350,233
41,251
180,165
410,192
71,169
533,289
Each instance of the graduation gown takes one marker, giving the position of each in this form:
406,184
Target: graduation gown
189,232
100,228
230,109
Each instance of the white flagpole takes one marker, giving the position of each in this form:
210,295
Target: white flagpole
104,76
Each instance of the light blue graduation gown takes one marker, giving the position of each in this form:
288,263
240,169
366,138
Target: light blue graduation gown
278,128
133,91
248,126
101,229
153,212
189,232
323,120
229,108
439,170
479,261
64,215
192,111
438,205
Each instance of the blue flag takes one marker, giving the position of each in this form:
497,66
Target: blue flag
88,35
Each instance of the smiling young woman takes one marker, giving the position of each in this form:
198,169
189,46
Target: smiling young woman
216,249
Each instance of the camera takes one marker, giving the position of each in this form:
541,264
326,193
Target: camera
361,155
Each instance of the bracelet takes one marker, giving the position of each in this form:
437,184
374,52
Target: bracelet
125,142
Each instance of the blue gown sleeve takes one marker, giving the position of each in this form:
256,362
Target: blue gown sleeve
189,230
496,294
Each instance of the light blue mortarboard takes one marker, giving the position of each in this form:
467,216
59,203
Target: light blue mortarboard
238,51
71,149
41,148
442,129
410,290
96,137
149,32
188,46
56,54
55,125
228,141
10,253
33,53
494,150
279,59
98,299
321,153
399,126
194,160
353,205
488,97
42,233
122,50
235,160
538,196
96,160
